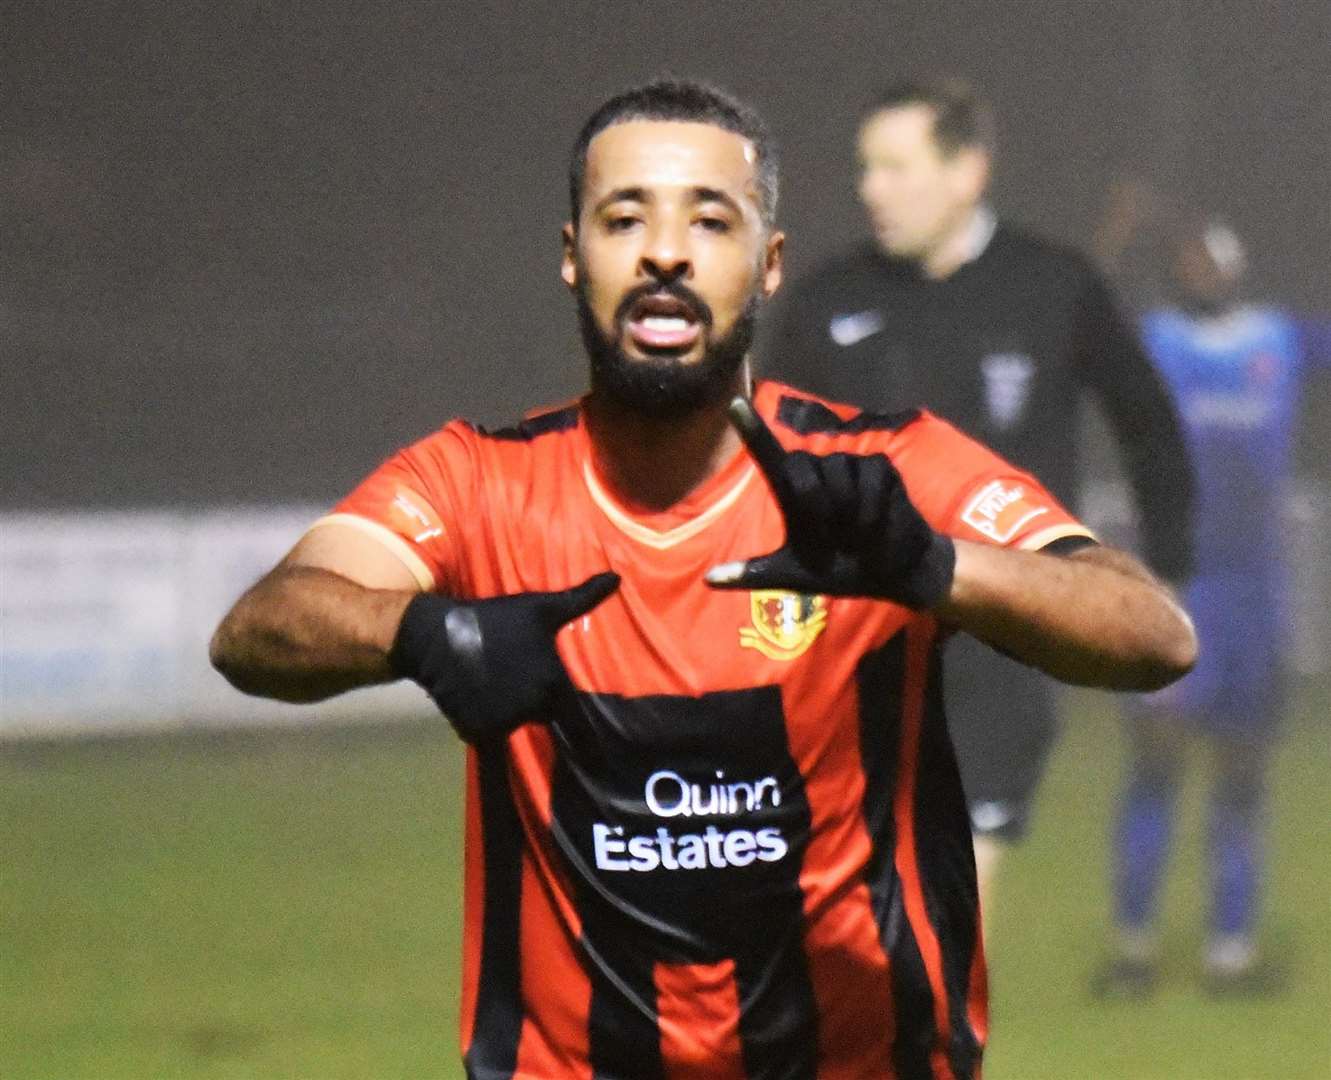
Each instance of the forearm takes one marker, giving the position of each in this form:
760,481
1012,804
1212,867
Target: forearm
303,634
1095,618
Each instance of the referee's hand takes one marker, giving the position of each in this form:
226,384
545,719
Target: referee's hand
851,529
491,665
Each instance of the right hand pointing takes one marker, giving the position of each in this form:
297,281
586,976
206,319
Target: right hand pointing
490,665
851,529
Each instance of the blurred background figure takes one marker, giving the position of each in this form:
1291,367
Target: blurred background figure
1236,370
1000,331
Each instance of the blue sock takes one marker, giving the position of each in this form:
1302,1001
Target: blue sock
1145,827
1235,841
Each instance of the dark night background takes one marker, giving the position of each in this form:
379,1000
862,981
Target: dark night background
250,248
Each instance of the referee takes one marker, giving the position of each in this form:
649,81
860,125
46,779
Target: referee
1001,332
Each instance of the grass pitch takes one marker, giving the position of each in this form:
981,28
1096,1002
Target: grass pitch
286,905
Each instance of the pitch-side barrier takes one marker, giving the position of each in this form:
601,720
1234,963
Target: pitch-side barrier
105,617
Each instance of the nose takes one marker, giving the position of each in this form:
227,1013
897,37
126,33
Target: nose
665,254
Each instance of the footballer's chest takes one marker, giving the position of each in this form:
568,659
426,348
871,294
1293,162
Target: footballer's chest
665,630
694,640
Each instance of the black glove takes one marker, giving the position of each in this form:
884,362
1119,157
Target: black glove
851,530
491,664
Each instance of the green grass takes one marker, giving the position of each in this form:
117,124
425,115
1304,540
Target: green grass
286,905
1050,922
275,905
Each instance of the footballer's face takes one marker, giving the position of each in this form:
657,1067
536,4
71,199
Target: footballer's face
917,194
669,259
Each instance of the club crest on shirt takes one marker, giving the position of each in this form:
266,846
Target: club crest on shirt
1007,386
785,624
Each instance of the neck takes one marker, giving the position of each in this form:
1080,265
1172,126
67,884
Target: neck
962,243
653,464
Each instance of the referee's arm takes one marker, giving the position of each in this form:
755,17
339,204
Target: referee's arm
1145,424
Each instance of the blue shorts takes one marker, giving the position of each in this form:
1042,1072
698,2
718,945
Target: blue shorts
1236,690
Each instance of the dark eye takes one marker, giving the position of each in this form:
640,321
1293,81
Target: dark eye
620,223
714,224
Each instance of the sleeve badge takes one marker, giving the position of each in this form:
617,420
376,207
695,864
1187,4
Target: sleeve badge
998,511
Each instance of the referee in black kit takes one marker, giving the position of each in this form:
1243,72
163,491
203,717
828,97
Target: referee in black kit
1000,332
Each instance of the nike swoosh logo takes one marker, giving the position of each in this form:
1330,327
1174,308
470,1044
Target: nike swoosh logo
846,330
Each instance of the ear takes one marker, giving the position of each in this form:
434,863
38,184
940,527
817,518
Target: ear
971,168
568,263
774,262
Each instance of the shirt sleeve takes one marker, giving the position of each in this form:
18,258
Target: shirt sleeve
414,504
1145,424
967,491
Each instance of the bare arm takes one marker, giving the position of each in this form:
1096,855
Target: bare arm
1095,617
321,622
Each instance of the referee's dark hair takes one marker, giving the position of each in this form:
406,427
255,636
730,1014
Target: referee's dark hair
962,118
669,98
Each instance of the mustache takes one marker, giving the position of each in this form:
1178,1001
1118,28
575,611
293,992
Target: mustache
681,292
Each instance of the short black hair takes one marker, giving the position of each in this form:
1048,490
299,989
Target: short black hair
669,98
962,117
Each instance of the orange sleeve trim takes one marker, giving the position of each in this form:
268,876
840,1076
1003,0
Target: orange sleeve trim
394,543
1047,536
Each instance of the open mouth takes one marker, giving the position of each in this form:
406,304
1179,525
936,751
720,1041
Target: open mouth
661,321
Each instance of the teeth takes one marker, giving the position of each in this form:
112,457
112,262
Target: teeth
665,322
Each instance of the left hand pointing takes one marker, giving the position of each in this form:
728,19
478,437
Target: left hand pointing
851,529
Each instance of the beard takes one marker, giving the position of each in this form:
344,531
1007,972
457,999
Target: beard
665,387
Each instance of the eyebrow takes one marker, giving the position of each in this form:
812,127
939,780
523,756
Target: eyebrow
706,194
642,195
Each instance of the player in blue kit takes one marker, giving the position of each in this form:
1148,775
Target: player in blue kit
1236,373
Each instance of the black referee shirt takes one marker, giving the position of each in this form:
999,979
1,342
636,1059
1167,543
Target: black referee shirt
1003,348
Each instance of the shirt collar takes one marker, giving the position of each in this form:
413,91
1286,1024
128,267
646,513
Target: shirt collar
979,232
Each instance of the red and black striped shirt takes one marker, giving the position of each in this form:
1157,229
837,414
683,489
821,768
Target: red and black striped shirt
740,849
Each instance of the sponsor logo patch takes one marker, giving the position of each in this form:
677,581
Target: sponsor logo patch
668,794
412,517
785,624
999,511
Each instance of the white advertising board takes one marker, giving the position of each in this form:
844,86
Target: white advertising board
105,621
105,617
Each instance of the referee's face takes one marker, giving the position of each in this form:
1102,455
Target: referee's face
670,253
918,197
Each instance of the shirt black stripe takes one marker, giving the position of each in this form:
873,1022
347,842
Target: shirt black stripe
880,677
624,1035
809,417
946,860
1066,545
546,423
493,1054
912,999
